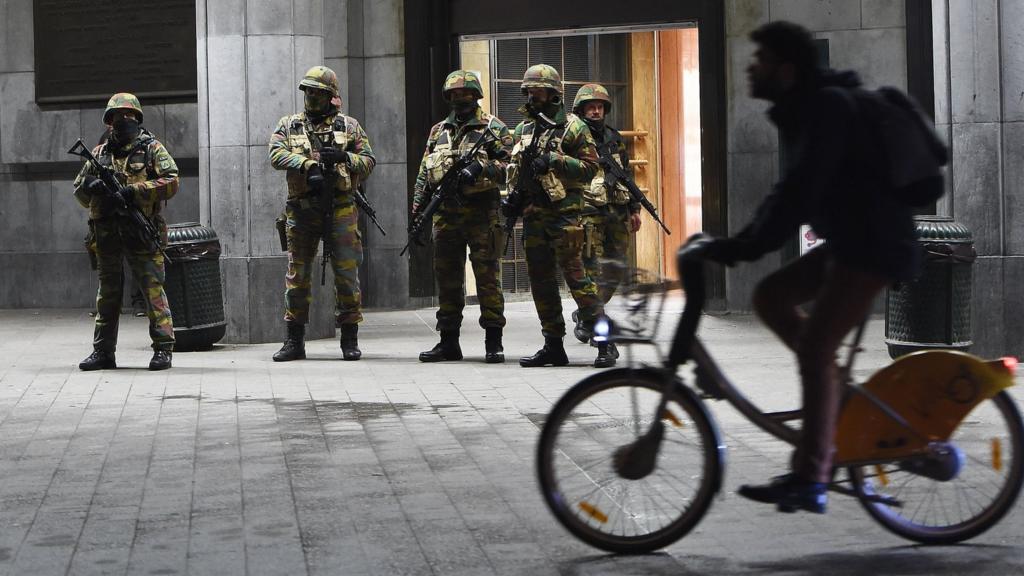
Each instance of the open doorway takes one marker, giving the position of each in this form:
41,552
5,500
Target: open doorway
654,81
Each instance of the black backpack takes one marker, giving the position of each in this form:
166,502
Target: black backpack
902,143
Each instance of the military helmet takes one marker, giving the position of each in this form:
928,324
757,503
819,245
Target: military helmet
463,79
589,93
321,78
542,76
122,101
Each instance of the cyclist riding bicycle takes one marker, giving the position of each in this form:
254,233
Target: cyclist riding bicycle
870,241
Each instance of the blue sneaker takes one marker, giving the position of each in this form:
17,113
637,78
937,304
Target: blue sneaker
789,494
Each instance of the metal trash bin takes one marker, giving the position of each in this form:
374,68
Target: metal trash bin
933,311
193,286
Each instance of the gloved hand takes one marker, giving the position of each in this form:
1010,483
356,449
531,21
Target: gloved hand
540,164
93,185
470,173
332,155
314,177
125,195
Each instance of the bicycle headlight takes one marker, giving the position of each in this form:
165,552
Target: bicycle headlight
602,329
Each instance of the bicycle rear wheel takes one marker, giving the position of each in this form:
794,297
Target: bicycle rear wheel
984,490
576,468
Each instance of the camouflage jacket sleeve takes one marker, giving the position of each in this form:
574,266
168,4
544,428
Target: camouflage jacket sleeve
577,157
87,170
164,183
281,156
498,153
419,189
360,155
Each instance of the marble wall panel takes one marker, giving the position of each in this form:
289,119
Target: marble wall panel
383,22
976,190
27,133
384,85
883,14
262,17
818,14
271,93
227,96
229,198
974,61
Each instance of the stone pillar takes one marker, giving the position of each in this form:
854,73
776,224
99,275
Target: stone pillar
251,56
979,81
376,90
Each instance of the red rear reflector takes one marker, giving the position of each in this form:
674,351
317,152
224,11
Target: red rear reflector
1010,363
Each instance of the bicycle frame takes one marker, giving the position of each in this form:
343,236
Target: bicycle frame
895,431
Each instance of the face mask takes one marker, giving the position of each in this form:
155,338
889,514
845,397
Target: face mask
316,101
462,107
124,130
596,125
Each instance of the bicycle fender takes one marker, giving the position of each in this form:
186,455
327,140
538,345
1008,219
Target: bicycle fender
932,390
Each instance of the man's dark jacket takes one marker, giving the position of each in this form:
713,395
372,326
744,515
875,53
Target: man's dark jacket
828,183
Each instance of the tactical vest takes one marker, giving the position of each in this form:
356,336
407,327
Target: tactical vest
598,194
550,141
135,167
444,153
338,136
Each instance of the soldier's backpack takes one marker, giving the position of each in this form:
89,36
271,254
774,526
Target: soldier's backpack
902,145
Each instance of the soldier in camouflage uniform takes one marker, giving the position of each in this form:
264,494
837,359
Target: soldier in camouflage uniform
470,219
610,215
290,150
148,178
565,164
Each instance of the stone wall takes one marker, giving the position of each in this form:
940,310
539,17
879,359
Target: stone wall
979,105
866,35
41,225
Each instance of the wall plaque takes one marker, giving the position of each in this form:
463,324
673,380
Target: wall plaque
86,50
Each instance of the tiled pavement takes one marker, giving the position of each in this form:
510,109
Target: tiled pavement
232,464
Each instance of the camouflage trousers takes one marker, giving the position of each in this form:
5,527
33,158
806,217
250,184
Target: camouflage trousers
606,247
147,267
475,225
304,231
553,239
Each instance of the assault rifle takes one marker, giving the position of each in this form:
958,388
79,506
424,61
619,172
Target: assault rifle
447,188
325,201
618,175
526,184
140,228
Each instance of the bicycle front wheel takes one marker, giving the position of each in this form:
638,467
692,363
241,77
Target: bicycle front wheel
937,511
575,461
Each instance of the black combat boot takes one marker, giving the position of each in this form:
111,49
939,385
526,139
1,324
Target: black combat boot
294,347
552,353
161,360
447,349
98,360
583,331
350,342
607,353
495,352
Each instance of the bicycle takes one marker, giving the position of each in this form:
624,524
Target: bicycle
629,459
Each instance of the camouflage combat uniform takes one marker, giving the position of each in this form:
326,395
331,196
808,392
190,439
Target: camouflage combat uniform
290,150
145,166
469,220
552,222
607,213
